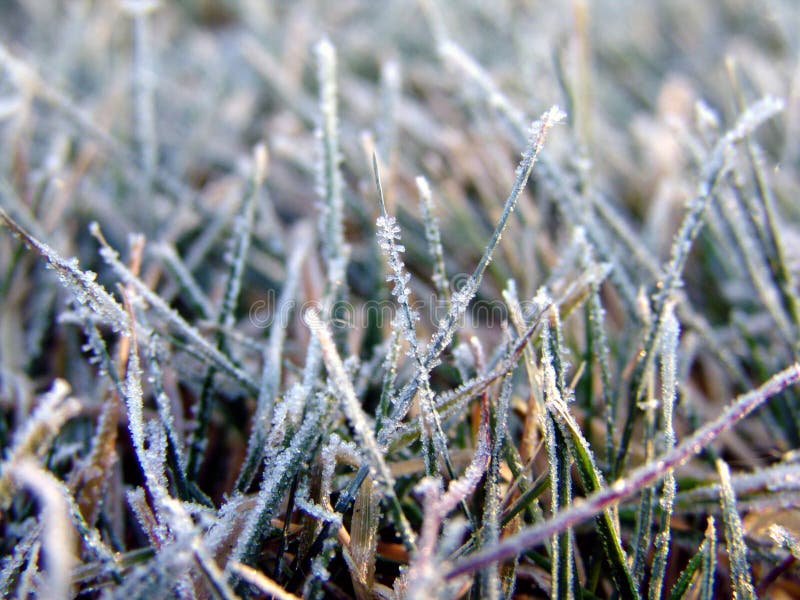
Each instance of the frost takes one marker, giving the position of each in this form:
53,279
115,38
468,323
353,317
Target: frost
81,284
33,439
463,296
293,404
329,178
434,239
464,360
754,116
784,539
58,539
669,351
422,574
434,409
133,399
454,55
388,236
742,583
200,345
707,119
350,405
319,512
236,255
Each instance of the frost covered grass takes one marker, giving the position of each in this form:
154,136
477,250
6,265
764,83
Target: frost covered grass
395,300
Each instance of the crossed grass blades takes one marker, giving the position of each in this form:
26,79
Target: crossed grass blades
580,377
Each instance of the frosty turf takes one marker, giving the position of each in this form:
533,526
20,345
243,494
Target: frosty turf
303,300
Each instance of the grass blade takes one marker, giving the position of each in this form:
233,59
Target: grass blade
734,534
645,475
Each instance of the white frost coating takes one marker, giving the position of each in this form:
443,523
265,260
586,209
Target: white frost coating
329,178
318,511
757,265
490,582
388,238
185,278
463,486
155,456
294,401
54,409
782,477
464,359
267,496
132,388
260,163
199,343
167,418
151,456
144,85
668,353
784,539
326,65
669,348
424,574
390,98
706,118
334,449
716,166
434,238
553,116
390,363
463,296
82,284
755,114
319,569
430,489
455,56
351,407
229,514
236,254
742,582
58,536
271,376
460,300
140,7
555,403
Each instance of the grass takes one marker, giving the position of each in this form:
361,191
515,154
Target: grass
391,300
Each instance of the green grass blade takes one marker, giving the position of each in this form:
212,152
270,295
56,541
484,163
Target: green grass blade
741,578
